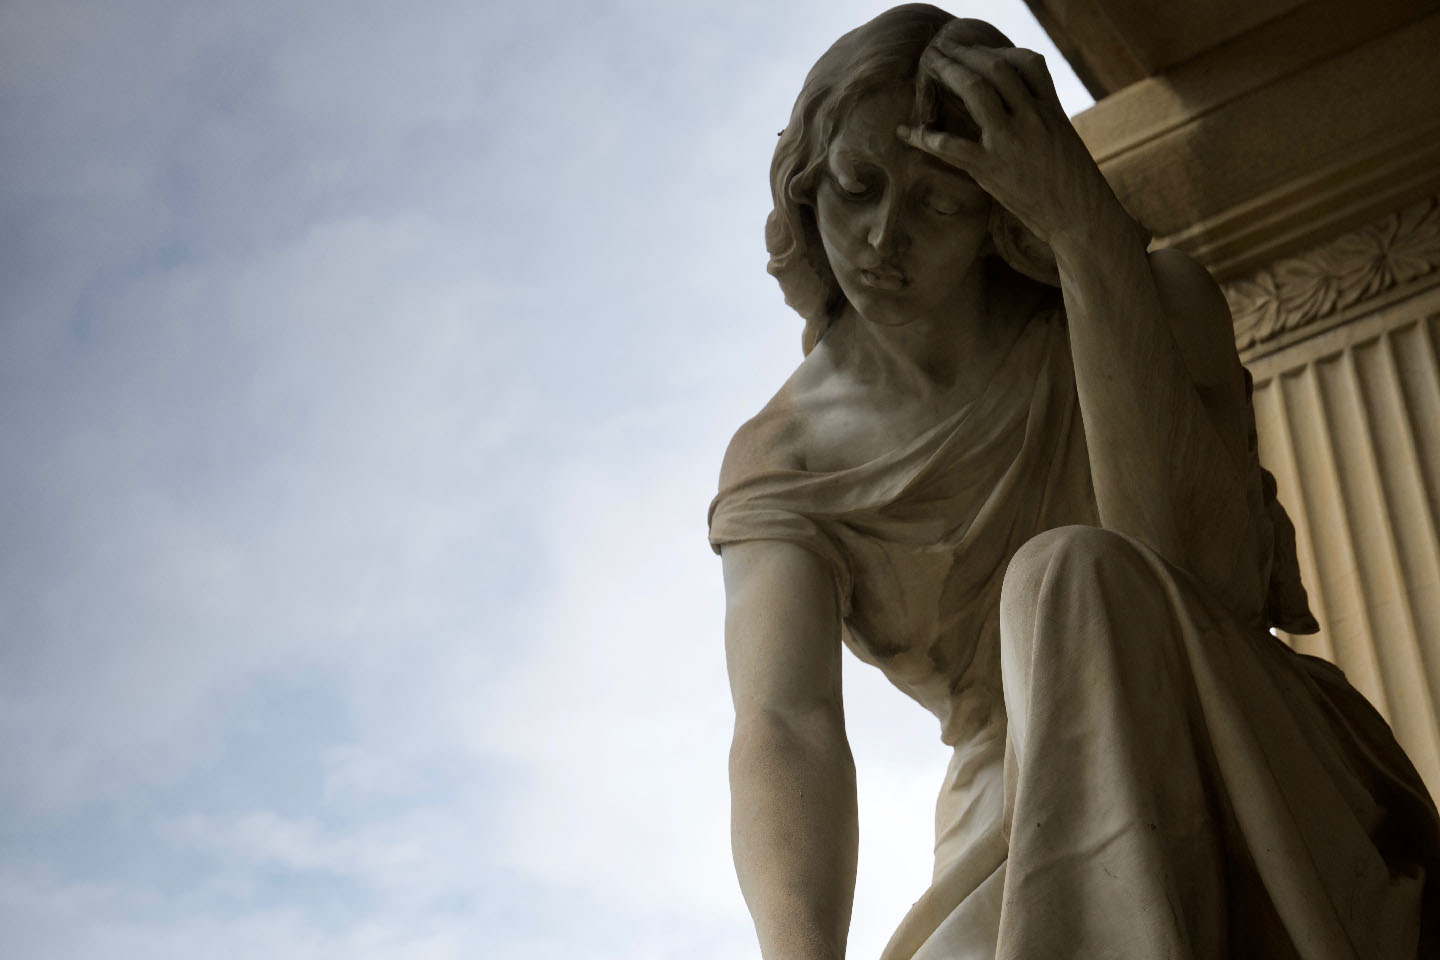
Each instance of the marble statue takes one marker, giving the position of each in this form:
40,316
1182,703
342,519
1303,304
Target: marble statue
1016,471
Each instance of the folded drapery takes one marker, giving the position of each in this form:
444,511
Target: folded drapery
1140,769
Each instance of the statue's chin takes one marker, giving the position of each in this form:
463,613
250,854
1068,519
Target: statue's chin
885,315
889,304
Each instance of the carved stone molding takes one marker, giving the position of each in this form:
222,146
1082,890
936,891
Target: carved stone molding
1336,276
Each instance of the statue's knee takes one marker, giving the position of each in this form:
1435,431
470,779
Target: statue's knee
1056,553
1064,545
1024,576
1073,552
1048,597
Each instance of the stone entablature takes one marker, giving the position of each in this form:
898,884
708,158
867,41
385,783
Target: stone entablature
1312,126
1330,283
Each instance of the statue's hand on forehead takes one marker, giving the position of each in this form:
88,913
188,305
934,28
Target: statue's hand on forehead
1017,75
1027,155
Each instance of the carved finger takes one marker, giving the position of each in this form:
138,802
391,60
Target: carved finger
979,95
997,68
972,33
1031,68
959,152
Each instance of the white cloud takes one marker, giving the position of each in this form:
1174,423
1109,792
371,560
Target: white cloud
364,374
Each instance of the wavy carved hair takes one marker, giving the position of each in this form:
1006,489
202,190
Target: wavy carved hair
879,55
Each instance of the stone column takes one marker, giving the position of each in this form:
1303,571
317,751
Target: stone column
1295,150
1349,423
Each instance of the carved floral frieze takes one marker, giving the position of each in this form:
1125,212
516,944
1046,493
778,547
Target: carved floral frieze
1348,270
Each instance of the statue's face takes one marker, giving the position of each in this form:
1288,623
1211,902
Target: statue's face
901,229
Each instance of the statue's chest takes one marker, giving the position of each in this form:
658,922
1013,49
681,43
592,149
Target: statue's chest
860,428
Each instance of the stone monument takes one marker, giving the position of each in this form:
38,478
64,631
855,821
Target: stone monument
1017,470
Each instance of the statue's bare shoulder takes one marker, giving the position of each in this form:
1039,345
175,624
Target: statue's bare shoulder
774,439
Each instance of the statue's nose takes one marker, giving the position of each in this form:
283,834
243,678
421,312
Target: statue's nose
887,234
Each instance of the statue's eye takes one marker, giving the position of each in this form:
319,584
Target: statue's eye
851,187
946,206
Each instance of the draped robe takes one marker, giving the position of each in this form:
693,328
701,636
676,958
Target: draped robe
1140,769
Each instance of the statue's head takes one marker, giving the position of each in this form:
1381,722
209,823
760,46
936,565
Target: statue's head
875,63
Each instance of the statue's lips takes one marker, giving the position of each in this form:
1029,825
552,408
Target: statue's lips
884,278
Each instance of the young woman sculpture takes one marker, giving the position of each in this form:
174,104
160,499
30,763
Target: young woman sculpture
1016,471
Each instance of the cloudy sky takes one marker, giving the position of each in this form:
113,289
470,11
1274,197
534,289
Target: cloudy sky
365,369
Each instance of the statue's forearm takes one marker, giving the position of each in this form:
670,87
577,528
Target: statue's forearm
1137,395
793,831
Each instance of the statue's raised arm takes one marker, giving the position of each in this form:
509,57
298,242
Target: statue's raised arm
1016,471
1125,310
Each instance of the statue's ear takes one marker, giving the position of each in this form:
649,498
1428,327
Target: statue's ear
1020,248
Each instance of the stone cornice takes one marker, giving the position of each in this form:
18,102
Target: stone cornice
1301,295
1281,138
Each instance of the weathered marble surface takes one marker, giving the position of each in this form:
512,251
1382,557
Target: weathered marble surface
1016,470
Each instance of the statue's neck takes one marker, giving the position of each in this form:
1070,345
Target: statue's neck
951,349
